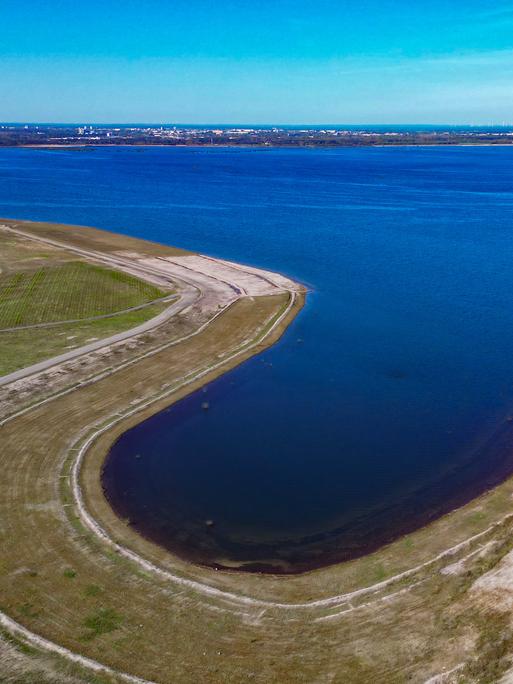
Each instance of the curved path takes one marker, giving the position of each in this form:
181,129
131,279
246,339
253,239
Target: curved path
232,601
19,630
188,272
192,290
187,298
189,294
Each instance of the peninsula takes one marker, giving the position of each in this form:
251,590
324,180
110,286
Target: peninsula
86,598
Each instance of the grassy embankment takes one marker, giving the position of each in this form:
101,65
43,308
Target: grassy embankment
58,572
76,590
51,302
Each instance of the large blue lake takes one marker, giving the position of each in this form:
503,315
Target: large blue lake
387,401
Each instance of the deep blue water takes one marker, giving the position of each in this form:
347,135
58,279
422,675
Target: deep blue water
390,410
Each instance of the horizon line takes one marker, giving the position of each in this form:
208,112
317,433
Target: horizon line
254,124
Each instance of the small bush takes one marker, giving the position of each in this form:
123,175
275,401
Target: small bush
92,590
103,621
28,610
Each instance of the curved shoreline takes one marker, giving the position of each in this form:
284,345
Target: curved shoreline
150,409
498,470
78,461
180,612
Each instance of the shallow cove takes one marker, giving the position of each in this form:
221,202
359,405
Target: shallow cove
385,403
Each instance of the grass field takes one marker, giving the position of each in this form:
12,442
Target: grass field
42,285
74,290
21,348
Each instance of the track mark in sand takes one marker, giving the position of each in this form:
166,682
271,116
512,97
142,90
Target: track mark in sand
15,628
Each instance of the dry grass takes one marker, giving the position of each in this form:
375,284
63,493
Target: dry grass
33,580
18,254
92,238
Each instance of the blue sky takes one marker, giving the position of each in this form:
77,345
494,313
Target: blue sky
280,61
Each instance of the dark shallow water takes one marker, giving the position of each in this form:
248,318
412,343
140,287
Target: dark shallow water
390,410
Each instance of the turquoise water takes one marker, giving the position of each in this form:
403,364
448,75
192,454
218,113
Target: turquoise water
386,402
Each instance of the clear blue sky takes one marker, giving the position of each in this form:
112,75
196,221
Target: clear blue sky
273,61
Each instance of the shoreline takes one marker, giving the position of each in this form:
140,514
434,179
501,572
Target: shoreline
83,147
496,453
88,485
173,612
270,336
156,405
193,282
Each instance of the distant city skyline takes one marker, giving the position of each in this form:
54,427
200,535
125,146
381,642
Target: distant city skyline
281,62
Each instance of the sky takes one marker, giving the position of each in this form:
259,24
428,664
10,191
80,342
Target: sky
273,61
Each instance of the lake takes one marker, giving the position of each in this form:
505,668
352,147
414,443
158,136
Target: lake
387,401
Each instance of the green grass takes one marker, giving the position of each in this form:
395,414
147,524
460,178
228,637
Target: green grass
92,590
74,290
102,621
17,643
21,348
